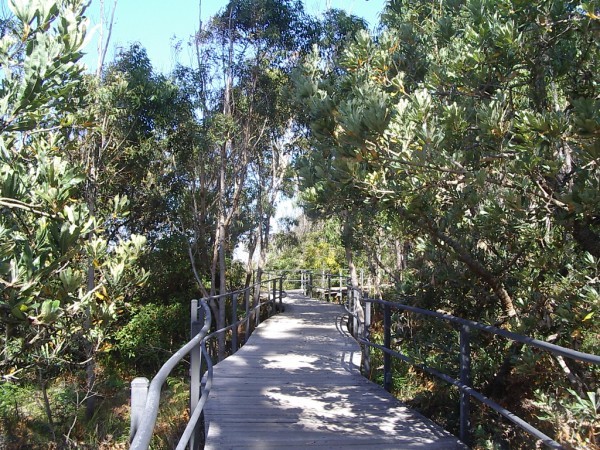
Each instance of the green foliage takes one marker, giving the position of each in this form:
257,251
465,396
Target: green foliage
572,412
64,281
43,225
318,247
11,396
151,335
469,130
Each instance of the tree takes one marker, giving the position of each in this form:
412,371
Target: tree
243,55
471,126
45,224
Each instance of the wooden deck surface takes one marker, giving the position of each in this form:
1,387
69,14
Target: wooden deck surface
296,384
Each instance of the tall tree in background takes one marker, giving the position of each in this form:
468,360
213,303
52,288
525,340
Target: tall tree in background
106,25
243,54
128,112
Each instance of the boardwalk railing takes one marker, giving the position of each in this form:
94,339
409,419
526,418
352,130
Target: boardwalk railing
360,307
145,395
322,283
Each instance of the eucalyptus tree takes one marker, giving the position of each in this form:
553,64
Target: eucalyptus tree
243,55
329,192
129,114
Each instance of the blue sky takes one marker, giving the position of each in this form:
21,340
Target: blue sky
158,24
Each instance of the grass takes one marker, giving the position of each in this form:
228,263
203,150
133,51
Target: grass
23,422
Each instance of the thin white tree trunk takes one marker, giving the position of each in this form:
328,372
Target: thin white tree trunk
103,45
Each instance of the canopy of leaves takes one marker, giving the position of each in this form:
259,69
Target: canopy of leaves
470,129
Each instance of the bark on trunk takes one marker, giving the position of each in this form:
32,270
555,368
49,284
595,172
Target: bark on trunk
478,269
47,408
347,233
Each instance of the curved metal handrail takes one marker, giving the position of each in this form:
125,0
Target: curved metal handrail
195,415
235,324
466,325
240,291
143,434
144,419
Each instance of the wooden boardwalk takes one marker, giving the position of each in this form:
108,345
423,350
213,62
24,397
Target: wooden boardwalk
296,384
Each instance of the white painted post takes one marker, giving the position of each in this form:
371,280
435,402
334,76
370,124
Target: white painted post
139,393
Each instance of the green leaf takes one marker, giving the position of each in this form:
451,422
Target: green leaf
588,316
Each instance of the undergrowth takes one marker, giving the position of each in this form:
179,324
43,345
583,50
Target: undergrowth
25,425
534,389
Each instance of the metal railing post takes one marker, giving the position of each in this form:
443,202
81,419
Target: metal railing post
329,287
273,305
367,329
234,330
355,300
139,393
281,293
195,368
310,284
387,343
257,310
348,296
222,300
366,336
465,378
247,300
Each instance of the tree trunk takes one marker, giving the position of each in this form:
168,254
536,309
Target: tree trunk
47,408
249,263
400,258
102,44
478,269
90,366
357,307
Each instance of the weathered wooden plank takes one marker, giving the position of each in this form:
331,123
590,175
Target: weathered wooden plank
296,384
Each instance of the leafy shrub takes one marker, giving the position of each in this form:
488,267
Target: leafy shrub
11,397
153,333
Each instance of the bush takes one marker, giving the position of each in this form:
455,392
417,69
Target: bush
152,335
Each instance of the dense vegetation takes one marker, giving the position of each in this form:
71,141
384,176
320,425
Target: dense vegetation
468,132
454,151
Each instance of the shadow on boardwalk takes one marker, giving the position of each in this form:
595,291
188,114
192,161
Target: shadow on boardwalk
296,384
